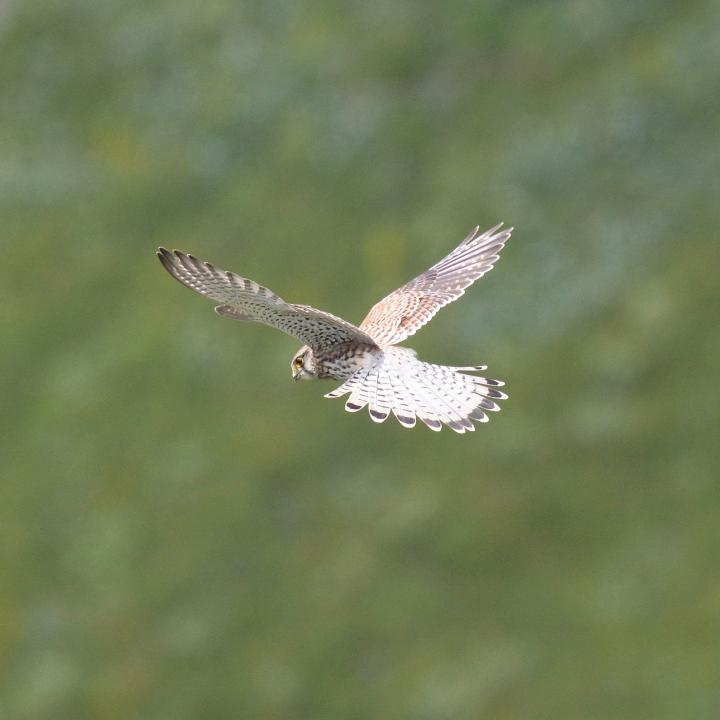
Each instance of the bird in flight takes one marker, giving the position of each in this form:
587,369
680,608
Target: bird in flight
375,372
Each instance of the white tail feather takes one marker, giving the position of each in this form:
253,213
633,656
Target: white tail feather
438,395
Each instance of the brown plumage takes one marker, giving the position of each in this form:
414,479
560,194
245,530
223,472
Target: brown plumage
385,378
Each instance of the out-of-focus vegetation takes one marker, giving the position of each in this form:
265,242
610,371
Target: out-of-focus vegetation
188,534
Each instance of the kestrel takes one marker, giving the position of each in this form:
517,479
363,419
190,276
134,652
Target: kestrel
375,372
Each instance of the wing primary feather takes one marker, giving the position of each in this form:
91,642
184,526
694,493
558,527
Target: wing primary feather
241,298
403,312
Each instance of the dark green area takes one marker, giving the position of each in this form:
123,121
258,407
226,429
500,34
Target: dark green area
186,533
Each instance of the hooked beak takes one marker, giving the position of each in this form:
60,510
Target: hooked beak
296,375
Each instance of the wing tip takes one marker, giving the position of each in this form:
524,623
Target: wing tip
167,260
497,232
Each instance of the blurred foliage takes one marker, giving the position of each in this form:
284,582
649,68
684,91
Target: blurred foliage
186,533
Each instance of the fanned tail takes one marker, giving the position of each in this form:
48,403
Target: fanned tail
411,389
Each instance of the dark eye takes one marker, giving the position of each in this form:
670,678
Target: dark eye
298,362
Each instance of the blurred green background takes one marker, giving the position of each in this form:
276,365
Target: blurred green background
186,533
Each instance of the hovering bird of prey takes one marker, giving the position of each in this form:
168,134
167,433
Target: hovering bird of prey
375,372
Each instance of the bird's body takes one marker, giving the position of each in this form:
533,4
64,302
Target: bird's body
339,362
376,372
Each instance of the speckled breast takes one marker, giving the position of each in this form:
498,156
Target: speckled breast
341,361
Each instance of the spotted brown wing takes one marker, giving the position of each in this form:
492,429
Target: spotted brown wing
405,311
244,299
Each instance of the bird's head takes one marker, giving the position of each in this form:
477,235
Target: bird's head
303,364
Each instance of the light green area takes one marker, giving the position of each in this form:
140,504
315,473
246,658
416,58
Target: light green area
186,533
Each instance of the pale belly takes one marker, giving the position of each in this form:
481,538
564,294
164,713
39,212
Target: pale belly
344,361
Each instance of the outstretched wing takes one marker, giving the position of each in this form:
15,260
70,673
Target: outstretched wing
405,311
243,299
